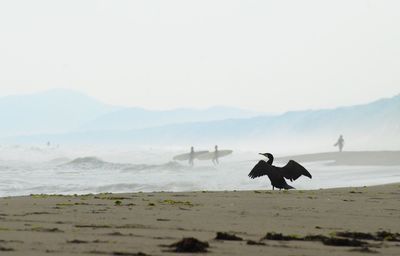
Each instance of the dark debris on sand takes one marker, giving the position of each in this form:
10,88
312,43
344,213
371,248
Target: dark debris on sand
4,249
388,236
378,236
252,242
227,236
280,237
364,250
77,241
190,245
315,238
356,235
118,253
129,254
332,241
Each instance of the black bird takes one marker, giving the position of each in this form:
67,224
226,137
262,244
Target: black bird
277,175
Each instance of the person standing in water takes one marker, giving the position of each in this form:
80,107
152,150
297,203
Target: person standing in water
215,158
340,143
191,156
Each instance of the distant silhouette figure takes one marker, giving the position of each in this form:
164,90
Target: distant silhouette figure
277,175
191,156
340,143
215,158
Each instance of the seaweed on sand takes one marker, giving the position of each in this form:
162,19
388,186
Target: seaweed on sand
280,237
332,241
251,242
227,236
190,245
379,236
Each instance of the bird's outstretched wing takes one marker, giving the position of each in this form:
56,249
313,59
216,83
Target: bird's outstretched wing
260,169
294,170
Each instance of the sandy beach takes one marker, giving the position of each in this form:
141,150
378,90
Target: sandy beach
146,223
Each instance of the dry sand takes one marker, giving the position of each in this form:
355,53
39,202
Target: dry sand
129,224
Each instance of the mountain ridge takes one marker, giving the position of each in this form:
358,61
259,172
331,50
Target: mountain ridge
56,110
365,126
63,110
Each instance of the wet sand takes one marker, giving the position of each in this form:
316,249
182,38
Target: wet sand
360,158
144,223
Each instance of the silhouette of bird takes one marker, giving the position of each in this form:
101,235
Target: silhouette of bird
277,175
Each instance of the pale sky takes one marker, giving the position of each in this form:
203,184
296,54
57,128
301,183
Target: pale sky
263,55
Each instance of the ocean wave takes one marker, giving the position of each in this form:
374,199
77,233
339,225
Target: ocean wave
93,163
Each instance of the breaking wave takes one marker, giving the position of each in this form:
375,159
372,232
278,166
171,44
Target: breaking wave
92,163
147,172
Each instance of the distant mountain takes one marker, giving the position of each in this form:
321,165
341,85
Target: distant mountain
137,118
61,111
369,126
46,112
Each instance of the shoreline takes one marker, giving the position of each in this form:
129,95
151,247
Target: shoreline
134,223
193,191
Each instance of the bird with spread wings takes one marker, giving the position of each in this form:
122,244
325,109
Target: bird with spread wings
277,175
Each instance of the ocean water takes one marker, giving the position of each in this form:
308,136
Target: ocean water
35,170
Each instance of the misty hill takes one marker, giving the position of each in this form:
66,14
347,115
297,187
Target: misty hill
136,118
47,112
374,125
56,111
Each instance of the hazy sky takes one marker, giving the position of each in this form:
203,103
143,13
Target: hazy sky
264,55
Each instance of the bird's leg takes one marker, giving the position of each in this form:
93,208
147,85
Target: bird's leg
273,188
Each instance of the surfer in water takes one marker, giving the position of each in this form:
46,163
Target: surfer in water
340,143
191,156
215,158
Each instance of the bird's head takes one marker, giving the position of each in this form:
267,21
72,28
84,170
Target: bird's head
268,155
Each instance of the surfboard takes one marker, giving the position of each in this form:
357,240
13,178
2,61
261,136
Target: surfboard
211,155
185,157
